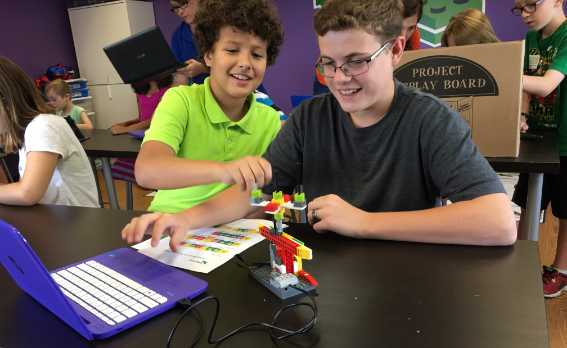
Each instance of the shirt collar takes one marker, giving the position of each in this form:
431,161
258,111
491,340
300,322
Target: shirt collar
217,116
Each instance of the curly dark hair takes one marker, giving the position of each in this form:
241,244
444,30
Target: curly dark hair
258,17
381,18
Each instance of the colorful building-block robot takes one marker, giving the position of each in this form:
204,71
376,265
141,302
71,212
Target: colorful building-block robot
285,276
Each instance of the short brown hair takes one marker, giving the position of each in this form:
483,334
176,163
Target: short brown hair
21,101
59,87
469,27
382,18
258,17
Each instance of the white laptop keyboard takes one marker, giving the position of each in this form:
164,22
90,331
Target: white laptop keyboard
109,295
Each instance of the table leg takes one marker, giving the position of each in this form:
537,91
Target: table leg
93,166
530,229
106,171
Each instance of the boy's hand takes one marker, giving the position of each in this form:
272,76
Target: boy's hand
332,213
248,172
156,225
193,68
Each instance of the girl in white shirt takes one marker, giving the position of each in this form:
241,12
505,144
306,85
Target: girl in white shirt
54,168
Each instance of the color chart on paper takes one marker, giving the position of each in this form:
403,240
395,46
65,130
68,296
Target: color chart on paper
207,248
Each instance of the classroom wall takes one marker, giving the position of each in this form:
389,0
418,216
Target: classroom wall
36,34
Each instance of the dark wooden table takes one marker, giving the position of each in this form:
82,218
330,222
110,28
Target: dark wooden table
102,144
371,294
536,158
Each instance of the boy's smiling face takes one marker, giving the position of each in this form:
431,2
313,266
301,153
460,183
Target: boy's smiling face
364,92
237,64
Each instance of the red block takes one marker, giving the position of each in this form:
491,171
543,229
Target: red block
271,207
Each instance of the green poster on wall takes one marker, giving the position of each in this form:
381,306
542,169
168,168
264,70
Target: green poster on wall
436,16
318,3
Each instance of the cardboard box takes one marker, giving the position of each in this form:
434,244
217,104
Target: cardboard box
482,82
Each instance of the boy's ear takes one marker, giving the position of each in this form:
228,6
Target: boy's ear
208,58
398,49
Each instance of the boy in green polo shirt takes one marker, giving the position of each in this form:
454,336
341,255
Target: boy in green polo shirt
205,138
545,66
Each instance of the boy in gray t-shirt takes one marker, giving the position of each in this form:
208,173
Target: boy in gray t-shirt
373,156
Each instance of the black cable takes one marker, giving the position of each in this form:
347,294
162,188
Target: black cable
189,306
271,327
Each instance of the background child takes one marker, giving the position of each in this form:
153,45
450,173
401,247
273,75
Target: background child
149,95
545,66
468,27
413,10
54,168
59,96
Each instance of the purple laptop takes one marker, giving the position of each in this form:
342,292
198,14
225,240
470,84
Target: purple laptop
138,134
100,296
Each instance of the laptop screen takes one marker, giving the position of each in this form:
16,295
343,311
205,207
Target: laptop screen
142,56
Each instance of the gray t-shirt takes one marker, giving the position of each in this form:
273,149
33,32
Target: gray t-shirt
420,151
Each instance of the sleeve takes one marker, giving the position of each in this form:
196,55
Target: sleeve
559,62
46,135
170,119
285,155
453,161
176,45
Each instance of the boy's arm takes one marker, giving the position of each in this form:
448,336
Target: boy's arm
85,121
158,167
35,181
229,205
486,220
542,86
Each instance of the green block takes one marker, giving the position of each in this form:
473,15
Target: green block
299,197
277,195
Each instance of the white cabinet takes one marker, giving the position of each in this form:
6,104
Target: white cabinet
93,28
113,104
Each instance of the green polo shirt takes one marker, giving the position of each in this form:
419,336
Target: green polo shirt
191,122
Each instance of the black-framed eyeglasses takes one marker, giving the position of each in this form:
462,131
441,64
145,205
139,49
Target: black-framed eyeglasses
528,8
176,9
353,67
